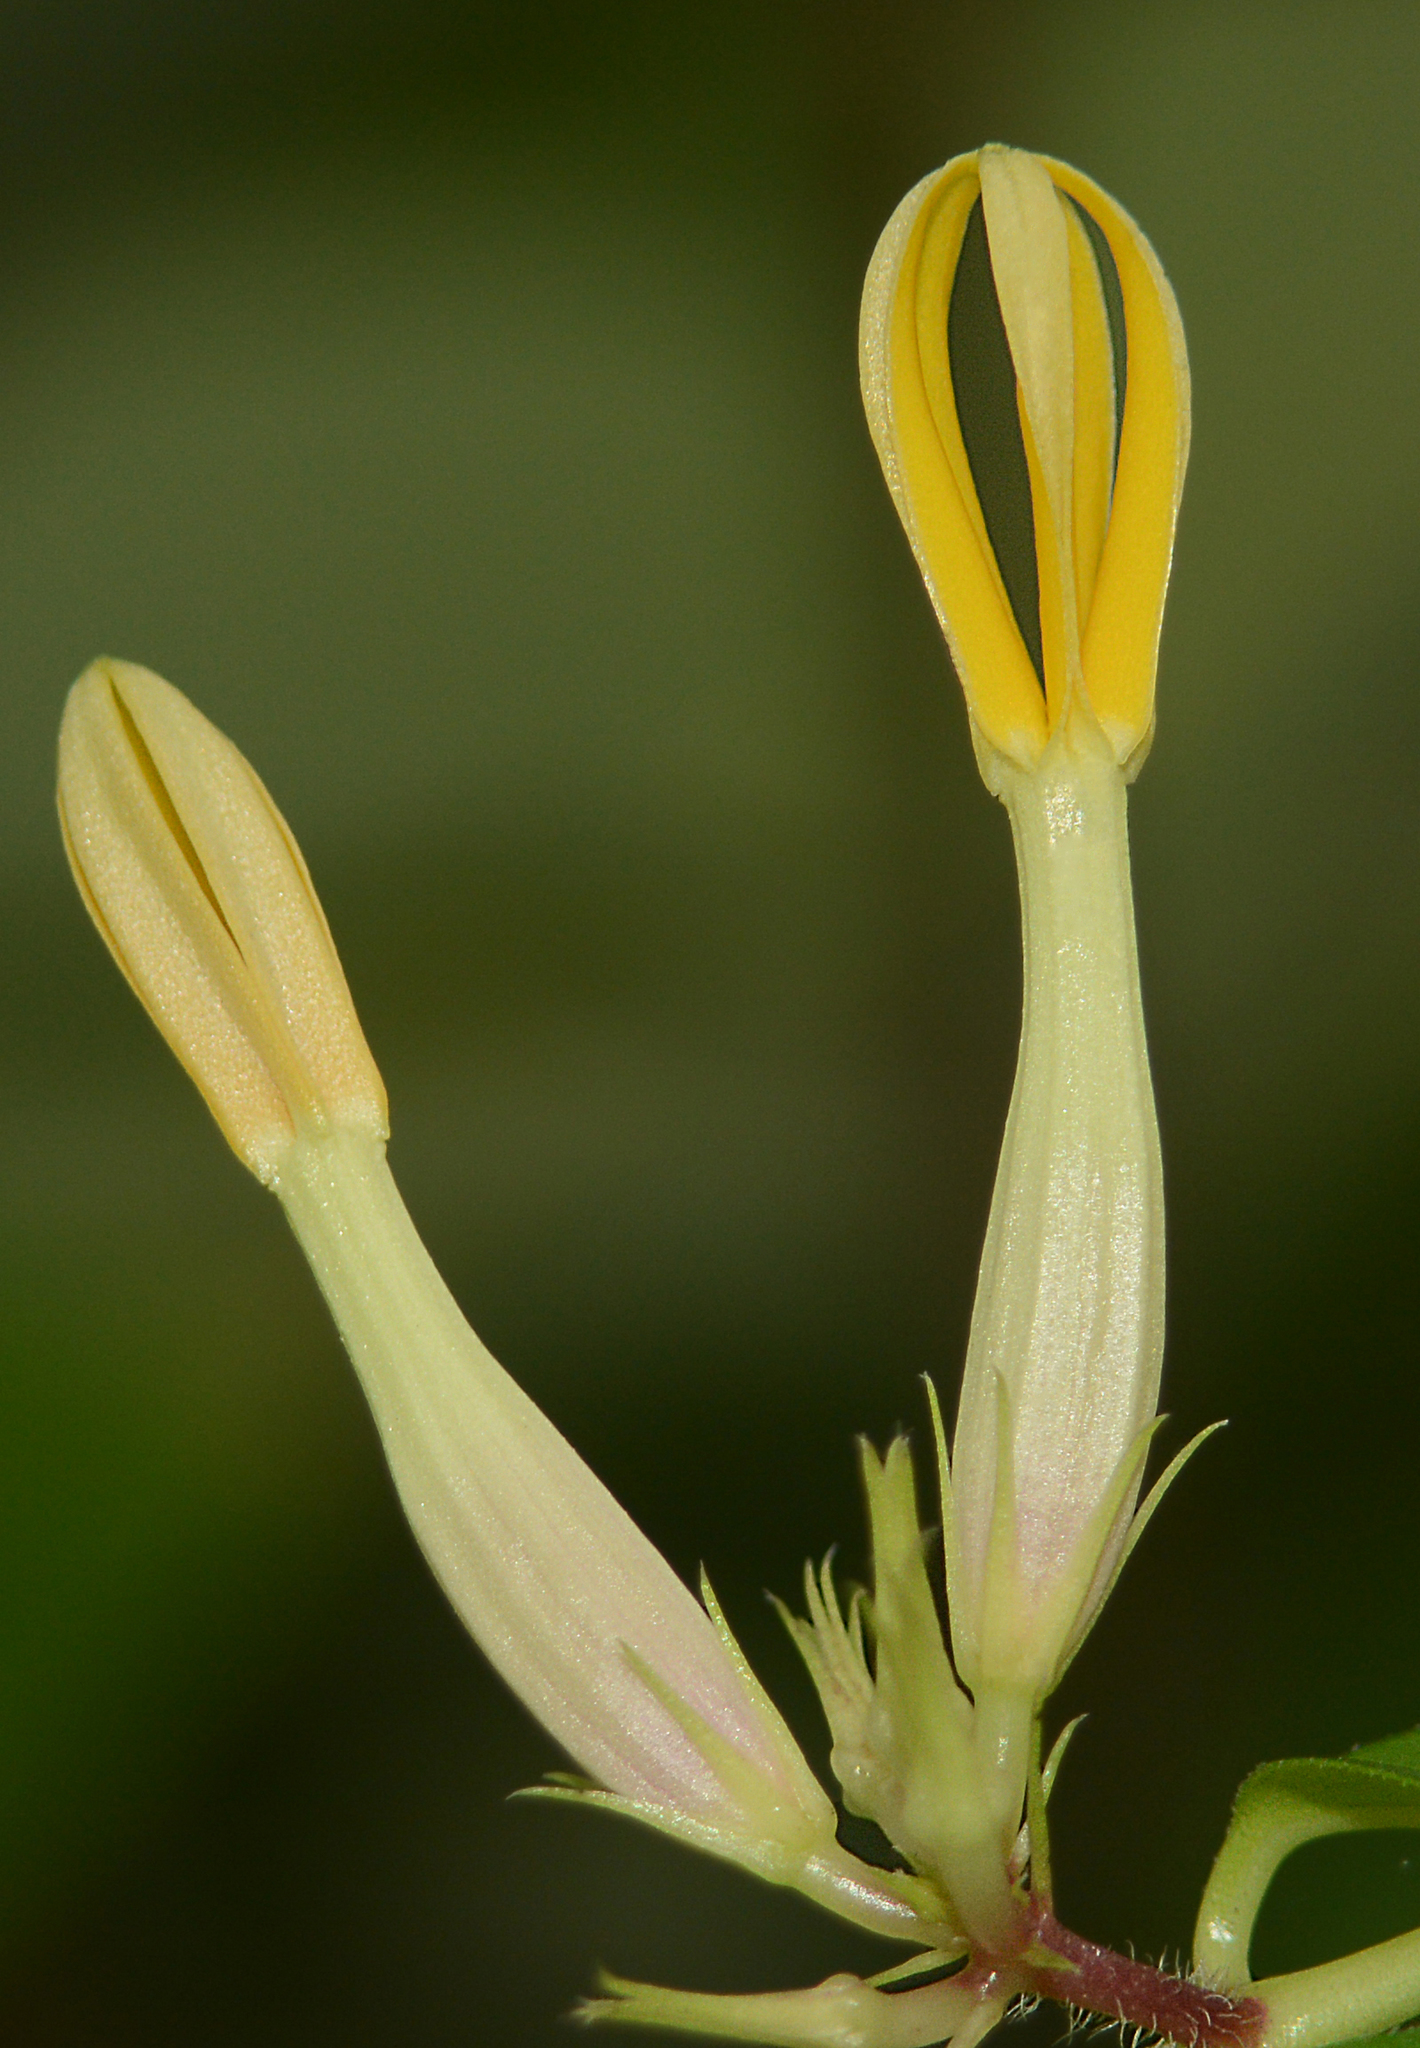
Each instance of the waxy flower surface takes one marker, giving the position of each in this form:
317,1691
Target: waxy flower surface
198,888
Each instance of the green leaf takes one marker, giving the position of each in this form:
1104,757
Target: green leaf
1280,1806
1408,2037
1400,1753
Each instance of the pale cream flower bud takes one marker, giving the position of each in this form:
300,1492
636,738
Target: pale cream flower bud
198,887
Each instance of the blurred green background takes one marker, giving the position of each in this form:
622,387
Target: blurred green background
459,402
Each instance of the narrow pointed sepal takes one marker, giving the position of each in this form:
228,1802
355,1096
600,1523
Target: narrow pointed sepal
920,1730
891,1903
1119,1547
951,1537
831,1644
842,2012
781,1827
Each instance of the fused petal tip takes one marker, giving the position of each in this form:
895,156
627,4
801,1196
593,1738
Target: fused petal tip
200,892
1104,517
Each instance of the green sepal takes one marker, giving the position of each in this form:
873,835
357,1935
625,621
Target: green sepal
842,2012
895,1903
1280,1806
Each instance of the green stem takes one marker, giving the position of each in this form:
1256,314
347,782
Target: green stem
1366,1993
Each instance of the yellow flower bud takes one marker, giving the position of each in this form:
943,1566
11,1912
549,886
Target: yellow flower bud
1062,1374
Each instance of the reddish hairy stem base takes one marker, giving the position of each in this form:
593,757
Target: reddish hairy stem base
1054,1963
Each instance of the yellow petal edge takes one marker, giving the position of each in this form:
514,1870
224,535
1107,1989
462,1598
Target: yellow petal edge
1102,583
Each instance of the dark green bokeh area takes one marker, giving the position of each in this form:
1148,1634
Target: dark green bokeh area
459,402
